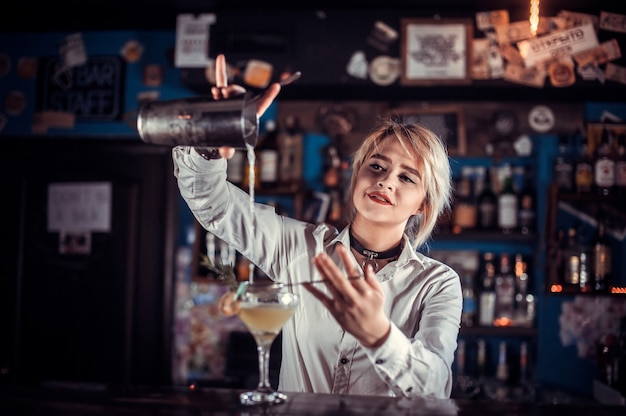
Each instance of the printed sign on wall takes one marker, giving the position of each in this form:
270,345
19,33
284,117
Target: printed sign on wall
92,91
79,206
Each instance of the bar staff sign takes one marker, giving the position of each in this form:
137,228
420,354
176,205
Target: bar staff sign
557,44
91,91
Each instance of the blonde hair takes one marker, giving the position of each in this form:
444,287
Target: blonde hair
428,149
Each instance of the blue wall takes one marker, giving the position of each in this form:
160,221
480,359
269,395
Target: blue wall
156,46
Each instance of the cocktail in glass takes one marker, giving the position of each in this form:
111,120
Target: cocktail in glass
264,309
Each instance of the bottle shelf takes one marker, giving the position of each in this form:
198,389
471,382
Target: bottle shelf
499,331
484,235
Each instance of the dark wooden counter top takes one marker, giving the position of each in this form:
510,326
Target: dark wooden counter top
87,400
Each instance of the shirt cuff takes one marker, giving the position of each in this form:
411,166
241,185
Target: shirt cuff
394,346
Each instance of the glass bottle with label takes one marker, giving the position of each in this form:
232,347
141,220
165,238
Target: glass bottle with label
524,301
268,156
583,171
585,278
235,167
526,212
620,166
505,292
468,316
571,261
563,166
290,146
487,298
604,164
464,212
601,260
487,205
507,207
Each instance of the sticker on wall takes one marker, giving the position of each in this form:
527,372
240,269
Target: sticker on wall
147,96
541,118
258,73
357,65
561,73
153,75
44,120
72,51
382,36
384,70
27,67
5,64
14,103
490,19
75,242
192,40
131,51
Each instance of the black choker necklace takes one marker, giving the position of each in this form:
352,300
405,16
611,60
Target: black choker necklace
372,256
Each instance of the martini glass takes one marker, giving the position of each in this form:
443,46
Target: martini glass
264,309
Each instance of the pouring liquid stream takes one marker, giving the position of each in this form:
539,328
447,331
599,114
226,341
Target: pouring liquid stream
251,163
251,176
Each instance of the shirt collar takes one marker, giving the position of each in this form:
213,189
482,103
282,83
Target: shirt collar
408,253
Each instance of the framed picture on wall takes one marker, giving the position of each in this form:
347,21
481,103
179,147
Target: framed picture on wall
448,122
435,51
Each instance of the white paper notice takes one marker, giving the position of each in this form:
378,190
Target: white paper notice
79,206
558,44
192,40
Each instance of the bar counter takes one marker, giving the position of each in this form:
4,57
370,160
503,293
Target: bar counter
87,400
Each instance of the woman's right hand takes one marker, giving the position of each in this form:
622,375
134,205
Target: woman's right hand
222,90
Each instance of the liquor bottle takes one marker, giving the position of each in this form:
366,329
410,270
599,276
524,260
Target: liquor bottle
487,205
621,358
464,386
571,261
268,156
526,211
464,212
585,279
481,359
468,316
505,293
251,171
502,369
604,164
507,207
601,259
620,166
583,171
522,299
235,167
497,388
563,166
290,148
331,167
525,392
487,297
523,364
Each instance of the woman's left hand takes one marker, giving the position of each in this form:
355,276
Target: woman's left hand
356,304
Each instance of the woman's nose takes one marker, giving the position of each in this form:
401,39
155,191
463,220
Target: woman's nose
384,184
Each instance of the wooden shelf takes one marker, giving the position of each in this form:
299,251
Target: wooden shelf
499,331
478,235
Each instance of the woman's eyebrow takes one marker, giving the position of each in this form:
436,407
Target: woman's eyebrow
380,156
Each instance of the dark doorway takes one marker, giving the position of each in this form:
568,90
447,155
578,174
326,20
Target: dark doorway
87,306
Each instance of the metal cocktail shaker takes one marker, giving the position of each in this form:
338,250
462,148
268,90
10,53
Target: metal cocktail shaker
200,121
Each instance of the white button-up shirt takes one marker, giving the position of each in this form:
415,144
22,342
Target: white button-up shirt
423,297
